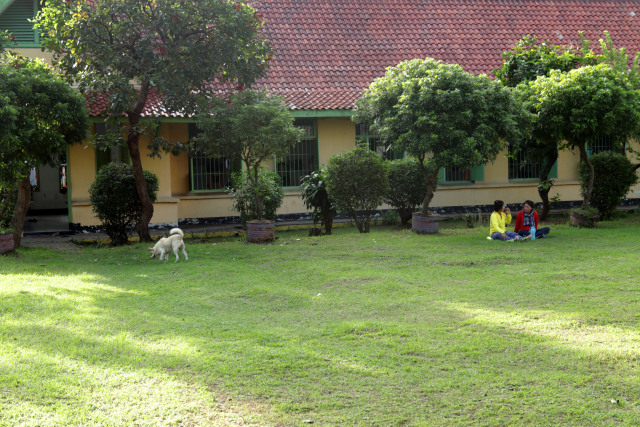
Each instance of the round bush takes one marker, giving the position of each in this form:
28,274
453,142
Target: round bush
613,177
245,192
407,187
115,199
358,182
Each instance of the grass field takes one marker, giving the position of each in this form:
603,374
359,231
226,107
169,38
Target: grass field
386,328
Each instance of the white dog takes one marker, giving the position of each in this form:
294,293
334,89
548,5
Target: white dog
172,243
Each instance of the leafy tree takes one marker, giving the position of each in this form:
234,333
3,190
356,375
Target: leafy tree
40,115
125,50
613,177
440,114
525,62
316,197
254,125
576,107
407,187
358,182
115,200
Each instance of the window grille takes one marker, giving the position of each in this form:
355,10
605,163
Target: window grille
520,167
210,173
457,174
599,145
365,135
302,158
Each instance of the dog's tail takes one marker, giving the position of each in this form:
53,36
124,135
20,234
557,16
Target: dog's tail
176,231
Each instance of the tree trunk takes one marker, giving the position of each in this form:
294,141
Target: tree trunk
142,226
587,194
542,191
431,185
21,209
328,223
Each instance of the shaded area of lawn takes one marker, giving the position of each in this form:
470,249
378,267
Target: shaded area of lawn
384,328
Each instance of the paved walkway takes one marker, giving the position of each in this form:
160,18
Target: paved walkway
63,240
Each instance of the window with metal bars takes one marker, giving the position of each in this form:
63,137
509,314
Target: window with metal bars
457,174
599,145
365,135
302,158
210,173
520,167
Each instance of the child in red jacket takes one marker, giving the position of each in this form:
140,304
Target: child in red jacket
528,217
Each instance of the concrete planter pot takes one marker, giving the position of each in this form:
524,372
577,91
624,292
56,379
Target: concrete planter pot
260,231
424,224
6,243
580,220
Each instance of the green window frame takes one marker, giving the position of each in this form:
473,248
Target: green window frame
303,158
15,16
519,168
365,135
210,174
117,154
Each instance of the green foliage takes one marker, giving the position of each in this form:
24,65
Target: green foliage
581,105
407,187
39,116
252,124
585,218
315,196
178,47
247,193
529,59
440,114
613,177
358,183
115,199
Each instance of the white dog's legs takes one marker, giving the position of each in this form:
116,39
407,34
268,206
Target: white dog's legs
186,257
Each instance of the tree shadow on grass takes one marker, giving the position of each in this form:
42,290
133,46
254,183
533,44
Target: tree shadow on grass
378,349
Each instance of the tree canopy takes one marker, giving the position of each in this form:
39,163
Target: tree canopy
40,115
576,107
125,49
440,114
529,59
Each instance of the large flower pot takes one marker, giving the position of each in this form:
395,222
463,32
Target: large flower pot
260,231
6,243
424,224
580,220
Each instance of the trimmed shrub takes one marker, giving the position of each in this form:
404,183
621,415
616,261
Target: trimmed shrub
613,177
246,193
407,188
115,199
358,182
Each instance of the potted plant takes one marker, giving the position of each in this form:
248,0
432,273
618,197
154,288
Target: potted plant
254,126
6,240
442,116
315,196
245,193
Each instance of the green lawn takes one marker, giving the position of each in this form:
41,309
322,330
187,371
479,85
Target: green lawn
385,328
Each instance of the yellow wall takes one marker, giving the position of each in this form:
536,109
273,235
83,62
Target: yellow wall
335,135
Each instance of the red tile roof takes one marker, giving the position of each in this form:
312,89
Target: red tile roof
326,52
